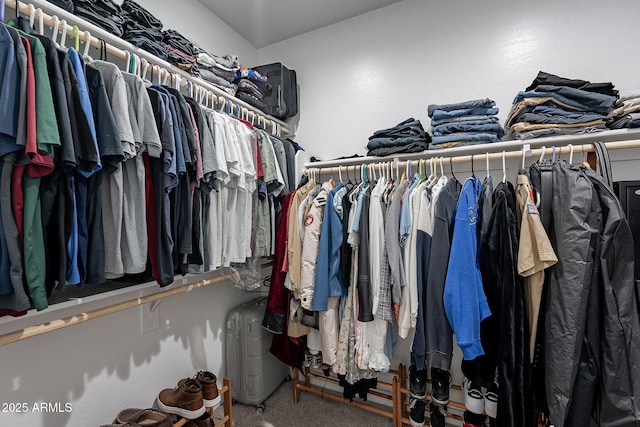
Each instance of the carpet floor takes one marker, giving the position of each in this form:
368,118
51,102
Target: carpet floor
311,411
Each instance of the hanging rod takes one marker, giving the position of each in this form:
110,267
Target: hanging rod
94,34
510,149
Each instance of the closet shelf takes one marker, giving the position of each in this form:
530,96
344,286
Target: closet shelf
614,139
120,48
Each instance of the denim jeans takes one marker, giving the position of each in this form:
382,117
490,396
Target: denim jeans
151,46
583,103
63,4
552,119
139,14
486,103
449,128
550,79
627,121
479,111
557,111
104,14
409,127
482,119
537,133
393,142
133,29
466,136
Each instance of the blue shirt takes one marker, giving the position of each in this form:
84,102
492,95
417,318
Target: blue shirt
85,102
9,93
464,299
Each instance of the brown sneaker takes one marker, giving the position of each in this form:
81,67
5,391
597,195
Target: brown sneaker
203,421
209,384
143,417
184,400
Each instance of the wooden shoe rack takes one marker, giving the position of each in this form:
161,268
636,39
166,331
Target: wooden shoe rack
227,418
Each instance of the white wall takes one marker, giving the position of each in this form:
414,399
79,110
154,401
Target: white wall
373,71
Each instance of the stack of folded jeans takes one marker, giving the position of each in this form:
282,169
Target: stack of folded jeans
626,112
252,87
554,105
219,70
464,123
406,137
180,51
142,29
104,13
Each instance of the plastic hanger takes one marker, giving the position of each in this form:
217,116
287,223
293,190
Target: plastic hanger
76,35
544,150
40,21
487,160
524,155
63,34
553,155
504,167
32,15
87,44
55,27
451,168
570,154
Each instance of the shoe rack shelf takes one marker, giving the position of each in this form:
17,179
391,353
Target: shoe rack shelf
227,418
402,394
385,390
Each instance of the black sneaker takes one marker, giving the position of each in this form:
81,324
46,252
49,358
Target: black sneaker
438,415
416,412
473,420
417,382
440,384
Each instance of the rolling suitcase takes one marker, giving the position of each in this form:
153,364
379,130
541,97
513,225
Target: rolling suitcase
254,372
282,101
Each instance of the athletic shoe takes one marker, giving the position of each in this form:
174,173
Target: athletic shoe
473,398
308,359
440,385
416,412
209,384
437,415
316,362
184,400
473,420
417,382
491,401
204,421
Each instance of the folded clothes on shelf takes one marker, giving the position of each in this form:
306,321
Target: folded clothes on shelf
406,137
554,105
105,14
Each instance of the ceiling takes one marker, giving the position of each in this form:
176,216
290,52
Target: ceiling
264,22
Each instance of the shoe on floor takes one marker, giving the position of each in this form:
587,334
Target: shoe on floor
440,385
185,400
473,397
417,382
316,362
416,412
437,415
143,417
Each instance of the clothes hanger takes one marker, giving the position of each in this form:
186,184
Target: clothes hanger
55,28
553,155
451,168
76,35
473,173
40,21
524,155
87,45
570,154
63,34
487,160
32,15
504,167
544,150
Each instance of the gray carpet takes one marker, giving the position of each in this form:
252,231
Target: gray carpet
312,411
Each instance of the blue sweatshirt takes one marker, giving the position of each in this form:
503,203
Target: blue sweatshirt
464,300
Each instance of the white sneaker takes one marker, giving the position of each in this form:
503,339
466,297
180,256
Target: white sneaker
491,401
473,398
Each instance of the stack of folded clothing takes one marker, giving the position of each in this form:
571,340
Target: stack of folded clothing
142,29
252,87
554,105
63,4
464,123
626,112
220,71
180,51
406,137
104,13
